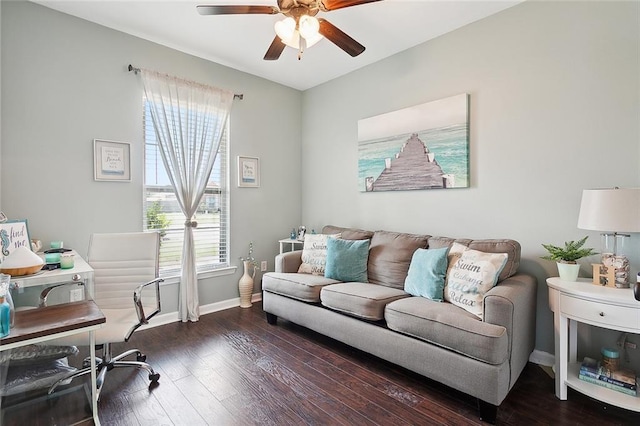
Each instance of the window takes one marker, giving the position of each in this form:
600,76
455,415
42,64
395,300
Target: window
162,212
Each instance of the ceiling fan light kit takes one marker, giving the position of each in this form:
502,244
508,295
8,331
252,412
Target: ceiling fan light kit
291,33
300,29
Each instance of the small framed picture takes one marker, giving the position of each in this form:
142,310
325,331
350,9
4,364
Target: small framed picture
111,161
13,234
302,230
248,172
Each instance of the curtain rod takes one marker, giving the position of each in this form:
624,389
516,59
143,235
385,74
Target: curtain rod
137,70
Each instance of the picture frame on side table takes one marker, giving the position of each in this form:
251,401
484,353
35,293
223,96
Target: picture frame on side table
248,172
111,161
13,234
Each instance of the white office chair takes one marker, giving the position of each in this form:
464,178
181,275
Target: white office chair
121,262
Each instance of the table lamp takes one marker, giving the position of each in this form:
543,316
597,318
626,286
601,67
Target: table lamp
615,212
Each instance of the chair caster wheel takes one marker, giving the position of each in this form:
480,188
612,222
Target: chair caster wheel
87,362
154,377
141,358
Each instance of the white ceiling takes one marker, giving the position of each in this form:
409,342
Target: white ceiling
240,41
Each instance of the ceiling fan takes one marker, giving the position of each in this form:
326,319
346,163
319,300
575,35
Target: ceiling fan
300,28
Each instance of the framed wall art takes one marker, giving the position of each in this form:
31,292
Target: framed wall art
421,147
248,172
111,161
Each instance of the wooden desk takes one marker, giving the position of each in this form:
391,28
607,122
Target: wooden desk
51,322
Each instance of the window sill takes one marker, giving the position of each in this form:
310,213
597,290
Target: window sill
175,279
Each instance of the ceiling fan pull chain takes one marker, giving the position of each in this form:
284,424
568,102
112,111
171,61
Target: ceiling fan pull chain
303,44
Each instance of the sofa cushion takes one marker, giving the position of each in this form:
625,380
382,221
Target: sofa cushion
471,277
304,287
511,247
390,256
348,233
314,253
427,273
347,260
450,327
361,300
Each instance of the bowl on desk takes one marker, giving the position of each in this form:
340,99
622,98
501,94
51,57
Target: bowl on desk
22,261
26,270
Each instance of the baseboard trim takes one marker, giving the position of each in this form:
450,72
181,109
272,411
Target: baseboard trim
542,358
171,317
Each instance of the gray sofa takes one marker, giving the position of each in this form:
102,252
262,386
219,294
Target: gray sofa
439,340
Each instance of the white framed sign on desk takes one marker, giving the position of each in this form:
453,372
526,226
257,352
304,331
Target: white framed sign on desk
13,234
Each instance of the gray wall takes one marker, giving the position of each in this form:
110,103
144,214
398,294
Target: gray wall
554,109
65,83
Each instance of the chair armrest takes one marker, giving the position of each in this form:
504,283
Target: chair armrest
137,301
512,304
45,293
289,261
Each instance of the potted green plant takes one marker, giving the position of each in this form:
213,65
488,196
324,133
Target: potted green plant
566,257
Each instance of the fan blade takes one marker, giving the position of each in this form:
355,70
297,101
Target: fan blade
237,10
339,4
275,50
340,38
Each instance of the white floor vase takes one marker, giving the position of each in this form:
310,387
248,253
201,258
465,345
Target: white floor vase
245,285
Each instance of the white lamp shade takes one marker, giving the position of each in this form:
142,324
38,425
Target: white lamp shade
614,210
314,39
308,26
285,29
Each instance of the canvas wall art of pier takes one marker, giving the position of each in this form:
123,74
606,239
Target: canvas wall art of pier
416,148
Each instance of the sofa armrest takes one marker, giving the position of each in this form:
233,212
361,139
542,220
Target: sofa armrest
512,304
289,261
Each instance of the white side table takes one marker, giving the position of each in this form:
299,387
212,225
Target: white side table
606,307
292,244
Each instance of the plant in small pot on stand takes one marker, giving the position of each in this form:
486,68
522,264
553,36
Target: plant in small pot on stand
566,257
245,285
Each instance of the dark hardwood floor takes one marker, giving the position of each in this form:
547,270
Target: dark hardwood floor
232,368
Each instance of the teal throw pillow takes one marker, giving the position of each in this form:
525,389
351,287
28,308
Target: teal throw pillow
347,260
427,273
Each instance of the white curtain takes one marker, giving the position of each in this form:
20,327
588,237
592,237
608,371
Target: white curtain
189,119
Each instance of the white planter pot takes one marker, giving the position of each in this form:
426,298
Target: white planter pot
568,271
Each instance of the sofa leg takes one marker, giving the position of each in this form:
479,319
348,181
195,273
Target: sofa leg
488,412
271,318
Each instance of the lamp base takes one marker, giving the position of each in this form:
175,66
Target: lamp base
620,263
